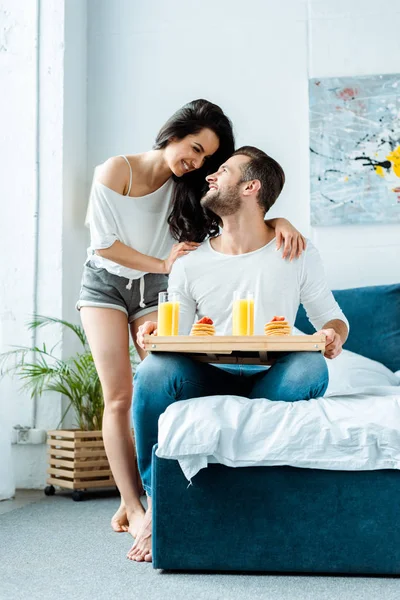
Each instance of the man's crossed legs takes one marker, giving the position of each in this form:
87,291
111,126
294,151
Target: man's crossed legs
162,379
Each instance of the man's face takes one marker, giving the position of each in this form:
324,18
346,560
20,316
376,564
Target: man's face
224,194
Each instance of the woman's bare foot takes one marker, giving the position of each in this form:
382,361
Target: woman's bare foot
121,522
141,549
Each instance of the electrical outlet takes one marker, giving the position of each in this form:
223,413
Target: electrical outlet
23,435
27,435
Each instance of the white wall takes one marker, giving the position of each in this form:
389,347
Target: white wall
61,165
75,176
145,59
17,181
356,38
7,479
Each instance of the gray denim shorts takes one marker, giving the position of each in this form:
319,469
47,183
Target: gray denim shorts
134,297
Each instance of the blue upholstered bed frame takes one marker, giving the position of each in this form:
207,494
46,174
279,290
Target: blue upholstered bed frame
284,519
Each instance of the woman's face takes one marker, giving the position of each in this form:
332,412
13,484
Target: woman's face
191,152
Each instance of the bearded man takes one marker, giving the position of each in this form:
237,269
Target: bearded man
242,257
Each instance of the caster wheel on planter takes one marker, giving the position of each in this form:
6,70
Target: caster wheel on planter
77,496
50,490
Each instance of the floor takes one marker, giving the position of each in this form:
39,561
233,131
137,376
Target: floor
22,498
52,547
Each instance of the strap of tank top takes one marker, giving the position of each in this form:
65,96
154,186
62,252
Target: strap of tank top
130,175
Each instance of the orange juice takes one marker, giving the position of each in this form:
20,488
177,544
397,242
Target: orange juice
168,318
243,317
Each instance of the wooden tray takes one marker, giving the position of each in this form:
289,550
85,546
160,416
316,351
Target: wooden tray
231,349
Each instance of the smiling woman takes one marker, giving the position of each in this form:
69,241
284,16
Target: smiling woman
190,153
144,214
202,139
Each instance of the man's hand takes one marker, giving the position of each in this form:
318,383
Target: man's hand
333,344
148,328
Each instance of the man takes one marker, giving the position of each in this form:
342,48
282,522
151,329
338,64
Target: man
242,258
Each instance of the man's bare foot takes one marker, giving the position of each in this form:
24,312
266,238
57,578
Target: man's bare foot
132,524
141,549
136,519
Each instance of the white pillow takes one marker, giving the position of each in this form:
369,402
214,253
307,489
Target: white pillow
350,371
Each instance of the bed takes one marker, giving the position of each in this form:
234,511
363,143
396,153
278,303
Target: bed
286,518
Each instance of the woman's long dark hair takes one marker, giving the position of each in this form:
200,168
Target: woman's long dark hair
188,221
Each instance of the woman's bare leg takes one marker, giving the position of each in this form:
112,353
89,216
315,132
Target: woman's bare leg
120,519
108,336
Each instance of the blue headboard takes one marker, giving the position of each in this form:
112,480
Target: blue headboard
374,316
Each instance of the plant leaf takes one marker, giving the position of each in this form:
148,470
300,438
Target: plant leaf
41,321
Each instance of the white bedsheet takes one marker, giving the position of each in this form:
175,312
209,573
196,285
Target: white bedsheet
357,429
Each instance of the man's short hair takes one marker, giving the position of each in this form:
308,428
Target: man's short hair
264,168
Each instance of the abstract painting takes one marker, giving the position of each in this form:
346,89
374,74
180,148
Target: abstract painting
355,150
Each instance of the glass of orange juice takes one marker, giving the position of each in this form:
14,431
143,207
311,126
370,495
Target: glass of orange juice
243,313
168,314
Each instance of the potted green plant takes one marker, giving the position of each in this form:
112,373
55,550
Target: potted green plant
76,457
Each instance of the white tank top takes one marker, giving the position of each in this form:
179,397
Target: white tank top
140,223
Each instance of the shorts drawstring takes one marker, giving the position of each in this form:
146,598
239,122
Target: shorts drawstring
141,291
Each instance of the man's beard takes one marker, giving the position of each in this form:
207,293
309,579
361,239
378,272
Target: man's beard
222,203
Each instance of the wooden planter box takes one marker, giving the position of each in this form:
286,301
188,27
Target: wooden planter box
77,461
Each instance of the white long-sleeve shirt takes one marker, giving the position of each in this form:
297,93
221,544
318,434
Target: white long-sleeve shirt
206,279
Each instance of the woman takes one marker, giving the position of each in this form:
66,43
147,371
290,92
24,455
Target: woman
140,205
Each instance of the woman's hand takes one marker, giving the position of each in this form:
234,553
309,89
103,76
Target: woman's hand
177,251
148,328
293,242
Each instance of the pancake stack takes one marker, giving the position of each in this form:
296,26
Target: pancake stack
277,326
203,327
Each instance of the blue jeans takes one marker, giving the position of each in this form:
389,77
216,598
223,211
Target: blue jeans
162,379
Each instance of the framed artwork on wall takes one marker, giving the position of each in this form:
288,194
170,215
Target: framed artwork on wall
355,150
